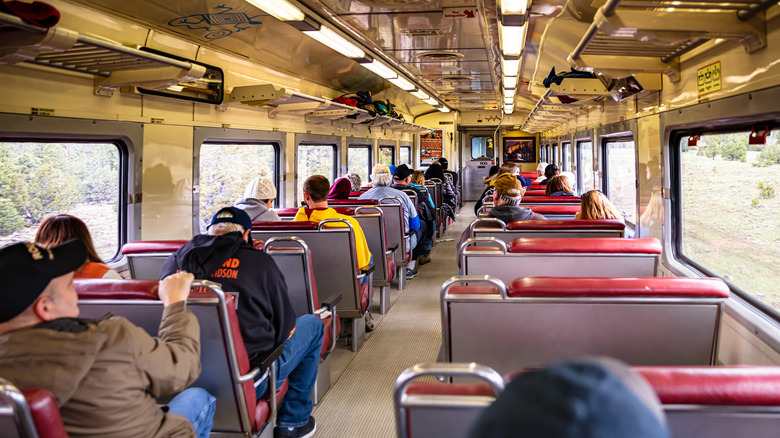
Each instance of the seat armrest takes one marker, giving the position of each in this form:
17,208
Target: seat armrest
367,271
331,301
393,248
264,362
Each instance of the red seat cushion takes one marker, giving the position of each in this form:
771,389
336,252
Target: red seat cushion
583,224
99,289
554,209
616,286
258,244
473,290
535,193
407,256
45,413
262,410
327,337
610,245
145,246
347,211
746,386
364,295
550,199
536,187
284,226
390,267
436,388
285,212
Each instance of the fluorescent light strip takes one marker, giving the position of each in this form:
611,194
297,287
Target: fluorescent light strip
513,7
510,67
431,101
512,39
281,9
443,109
381,69
402,83
509,109
420,95
336,42
510,81
509,93
509,101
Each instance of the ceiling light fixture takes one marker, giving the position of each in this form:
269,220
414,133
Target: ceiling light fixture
514,7
336,42
512,39
402,83
281,9
510,81
380,69
420,95
509,93
443,109
431,101
510,67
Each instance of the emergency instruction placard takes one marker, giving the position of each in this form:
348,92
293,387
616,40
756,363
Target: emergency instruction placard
709,78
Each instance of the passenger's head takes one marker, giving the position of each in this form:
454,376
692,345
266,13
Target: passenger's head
355,180
262,189
60,228
402,175
493,170
598,398
550,171
444,163
595,205
540,168
341,189
508,190
418,177
558,184
434,171
508,167
38,283
229,220
315,189
381,175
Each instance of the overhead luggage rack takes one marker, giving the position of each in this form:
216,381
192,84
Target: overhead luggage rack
649,36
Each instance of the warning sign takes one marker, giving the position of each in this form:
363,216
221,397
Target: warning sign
459,12
709,79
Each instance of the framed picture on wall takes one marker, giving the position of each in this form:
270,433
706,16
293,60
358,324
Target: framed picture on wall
520,149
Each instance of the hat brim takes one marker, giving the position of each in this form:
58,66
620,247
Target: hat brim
68,257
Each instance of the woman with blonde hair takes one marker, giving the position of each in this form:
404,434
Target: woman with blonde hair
58,229
418,178
559,186
595,205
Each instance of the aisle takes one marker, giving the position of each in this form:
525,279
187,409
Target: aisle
360,404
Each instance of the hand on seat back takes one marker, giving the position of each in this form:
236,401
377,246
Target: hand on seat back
175,287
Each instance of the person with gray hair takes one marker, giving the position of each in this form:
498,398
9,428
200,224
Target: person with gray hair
382,179
354,180
540,172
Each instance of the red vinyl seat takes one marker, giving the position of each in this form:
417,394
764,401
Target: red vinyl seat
615,287
607,245
581,224
45,413
147,246
550,200
535,193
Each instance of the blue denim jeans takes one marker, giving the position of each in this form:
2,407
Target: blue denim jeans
424,240
198,406
299,363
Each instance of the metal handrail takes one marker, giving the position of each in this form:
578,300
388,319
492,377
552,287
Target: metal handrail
20,406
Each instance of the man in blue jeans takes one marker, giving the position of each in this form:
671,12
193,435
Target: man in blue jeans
107,373
265,316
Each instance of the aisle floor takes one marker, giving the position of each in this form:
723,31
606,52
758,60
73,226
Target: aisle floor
360,402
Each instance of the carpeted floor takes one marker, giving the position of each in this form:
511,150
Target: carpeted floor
360,403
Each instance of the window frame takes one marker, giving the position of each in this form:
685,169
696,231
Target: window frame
554,149
411,158
471,148
370,162
580,168
626,136
315,140
392,155
566,165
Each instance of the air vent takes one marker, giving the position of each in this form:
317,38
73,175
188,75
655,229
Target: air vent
422,32
440,56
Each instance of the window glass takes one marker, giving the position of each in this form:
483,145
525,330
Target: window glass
621,176
567,157
481,148
585,165
359,161
555,154
729,208
225,170
39,179
406,155
386,155
315,160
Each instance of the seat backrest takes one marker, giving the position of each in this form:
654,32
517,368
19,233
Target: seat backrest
534,193
553,212
549,200
146,258
546,228
718,402
333,256
29,413
223,356
372,221
642,321
564,257
296,266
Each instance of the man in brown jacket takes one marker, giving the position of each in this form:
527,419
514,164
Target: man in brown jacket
106,373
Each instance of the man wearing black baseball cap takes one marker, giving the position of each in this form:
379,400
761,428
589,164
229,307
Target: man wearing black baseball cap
265,315
106,373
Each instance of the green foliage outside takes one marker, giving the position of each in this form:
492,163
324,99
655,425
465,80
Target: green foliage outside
386,155
754,203
735,149
769,155
357,161
314,160
766,191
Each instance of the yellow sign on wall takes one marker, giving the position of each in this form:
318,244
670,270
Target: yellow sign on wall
709,78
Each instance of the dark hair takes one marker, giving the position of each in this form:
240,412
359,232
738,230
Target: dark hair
434,171
493,170
550,171
317,186
444,163
58,229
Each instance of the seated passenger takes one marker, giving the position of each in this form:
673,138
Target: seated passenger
444,164
265,316
600,398
595,205
259,200
381,180
492,175
55,230
559,186
448,192
549,172
315,196
402,180
105,373
340,189
355,180
506,205
507,167
540,172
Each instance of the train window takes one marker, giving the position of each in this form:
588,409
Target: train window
555,158
481,148
726,210
315,159
387,155
225,169
566,157
39,179
359,161
585,165
620,169
406,155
